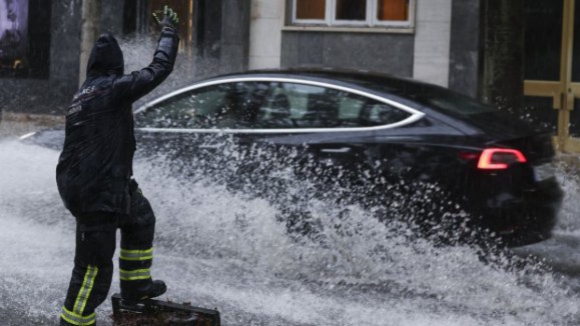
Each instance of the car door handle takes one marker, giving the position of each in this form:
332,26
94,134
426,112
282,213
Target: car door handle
342,150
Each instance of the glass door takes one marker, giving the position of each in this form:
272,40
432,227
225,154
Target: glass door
552,69
572,144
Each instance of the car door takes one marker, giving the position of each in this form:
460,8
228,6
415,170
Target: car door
269,131
320,132
189,128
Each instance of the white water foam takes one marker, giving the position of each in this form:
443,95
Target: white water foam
216,248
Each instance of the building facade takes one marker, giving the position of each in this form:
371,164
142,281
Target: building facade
413,42
518,55
40,45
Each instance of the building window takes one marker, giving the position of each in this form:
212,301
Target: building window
24,38
311,9
369,13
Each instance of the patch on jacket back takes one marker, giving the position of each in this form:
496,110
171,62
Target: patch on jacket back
88,93
84,95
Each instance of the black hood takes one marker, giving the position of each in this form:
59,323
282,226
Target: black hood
106,57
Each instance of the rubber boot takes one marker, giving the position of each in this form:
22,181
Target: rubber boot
151,290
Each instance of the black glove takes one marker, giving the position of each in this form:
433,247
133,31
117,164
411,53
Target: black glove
170,18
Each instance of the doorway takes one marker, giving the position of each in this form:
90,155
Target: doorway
552,69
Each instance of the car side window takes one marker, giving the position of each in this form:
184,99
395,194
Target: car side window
187,110
376,113
268,105
292,105
223,106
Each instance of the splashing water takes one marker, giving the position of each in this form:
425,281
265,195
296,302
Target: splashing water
221,248
138,52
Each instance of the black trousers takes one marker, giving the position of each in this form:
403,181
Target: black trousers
95,247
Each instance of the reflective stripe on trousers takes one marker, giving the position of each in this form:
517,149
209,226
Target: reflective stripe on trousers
139,274
76,317
136,254
134,264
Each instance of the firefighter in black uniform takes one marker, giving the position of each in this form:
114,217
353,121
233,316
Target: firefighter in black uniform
94,177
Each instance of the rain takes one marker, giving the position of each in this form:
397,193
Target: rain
231,248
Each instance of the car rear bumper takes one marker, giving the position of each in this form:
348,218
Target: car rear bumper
527,219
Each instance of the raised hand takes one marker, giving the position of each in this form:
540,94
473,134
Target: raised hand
170,18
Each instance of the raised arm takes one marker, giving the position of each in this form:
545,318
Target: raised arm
143,81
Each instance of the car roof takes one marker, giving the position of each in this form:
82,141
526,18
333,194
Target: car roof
363,78
427,97
413,94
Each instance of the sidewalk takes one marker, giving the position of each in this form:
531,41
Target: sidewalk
18,124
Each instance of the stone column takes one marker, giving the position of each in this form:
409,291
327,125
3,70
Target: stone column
222,29
503,59
465,47
90,29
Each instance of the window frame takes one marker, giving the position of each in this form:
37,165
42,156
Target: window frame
414,116
371,20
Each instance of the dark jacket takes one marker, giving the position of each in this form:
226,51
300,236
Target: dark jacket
95,166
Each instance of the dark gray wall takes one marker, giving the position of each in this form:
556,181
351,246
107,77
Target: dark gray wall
465,58
487,51
222,36
381,52
64,52
112,16
503,54
51,95
235,35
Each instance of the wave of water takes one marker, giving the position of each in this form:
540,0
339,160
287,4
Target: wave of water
221,249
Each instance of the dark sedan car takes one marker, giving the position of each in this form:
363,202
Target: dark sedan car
363,136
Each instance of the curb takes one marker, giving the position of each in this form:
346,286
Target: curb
37,119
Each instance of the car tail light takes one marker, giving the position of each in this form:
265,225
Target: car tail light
499,158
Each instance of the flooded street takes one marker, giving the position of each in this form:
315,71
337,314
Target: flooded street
218,249
332,69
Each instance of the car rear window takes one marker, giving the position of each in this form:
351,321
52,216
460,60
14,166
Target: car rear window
435,97
452,102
